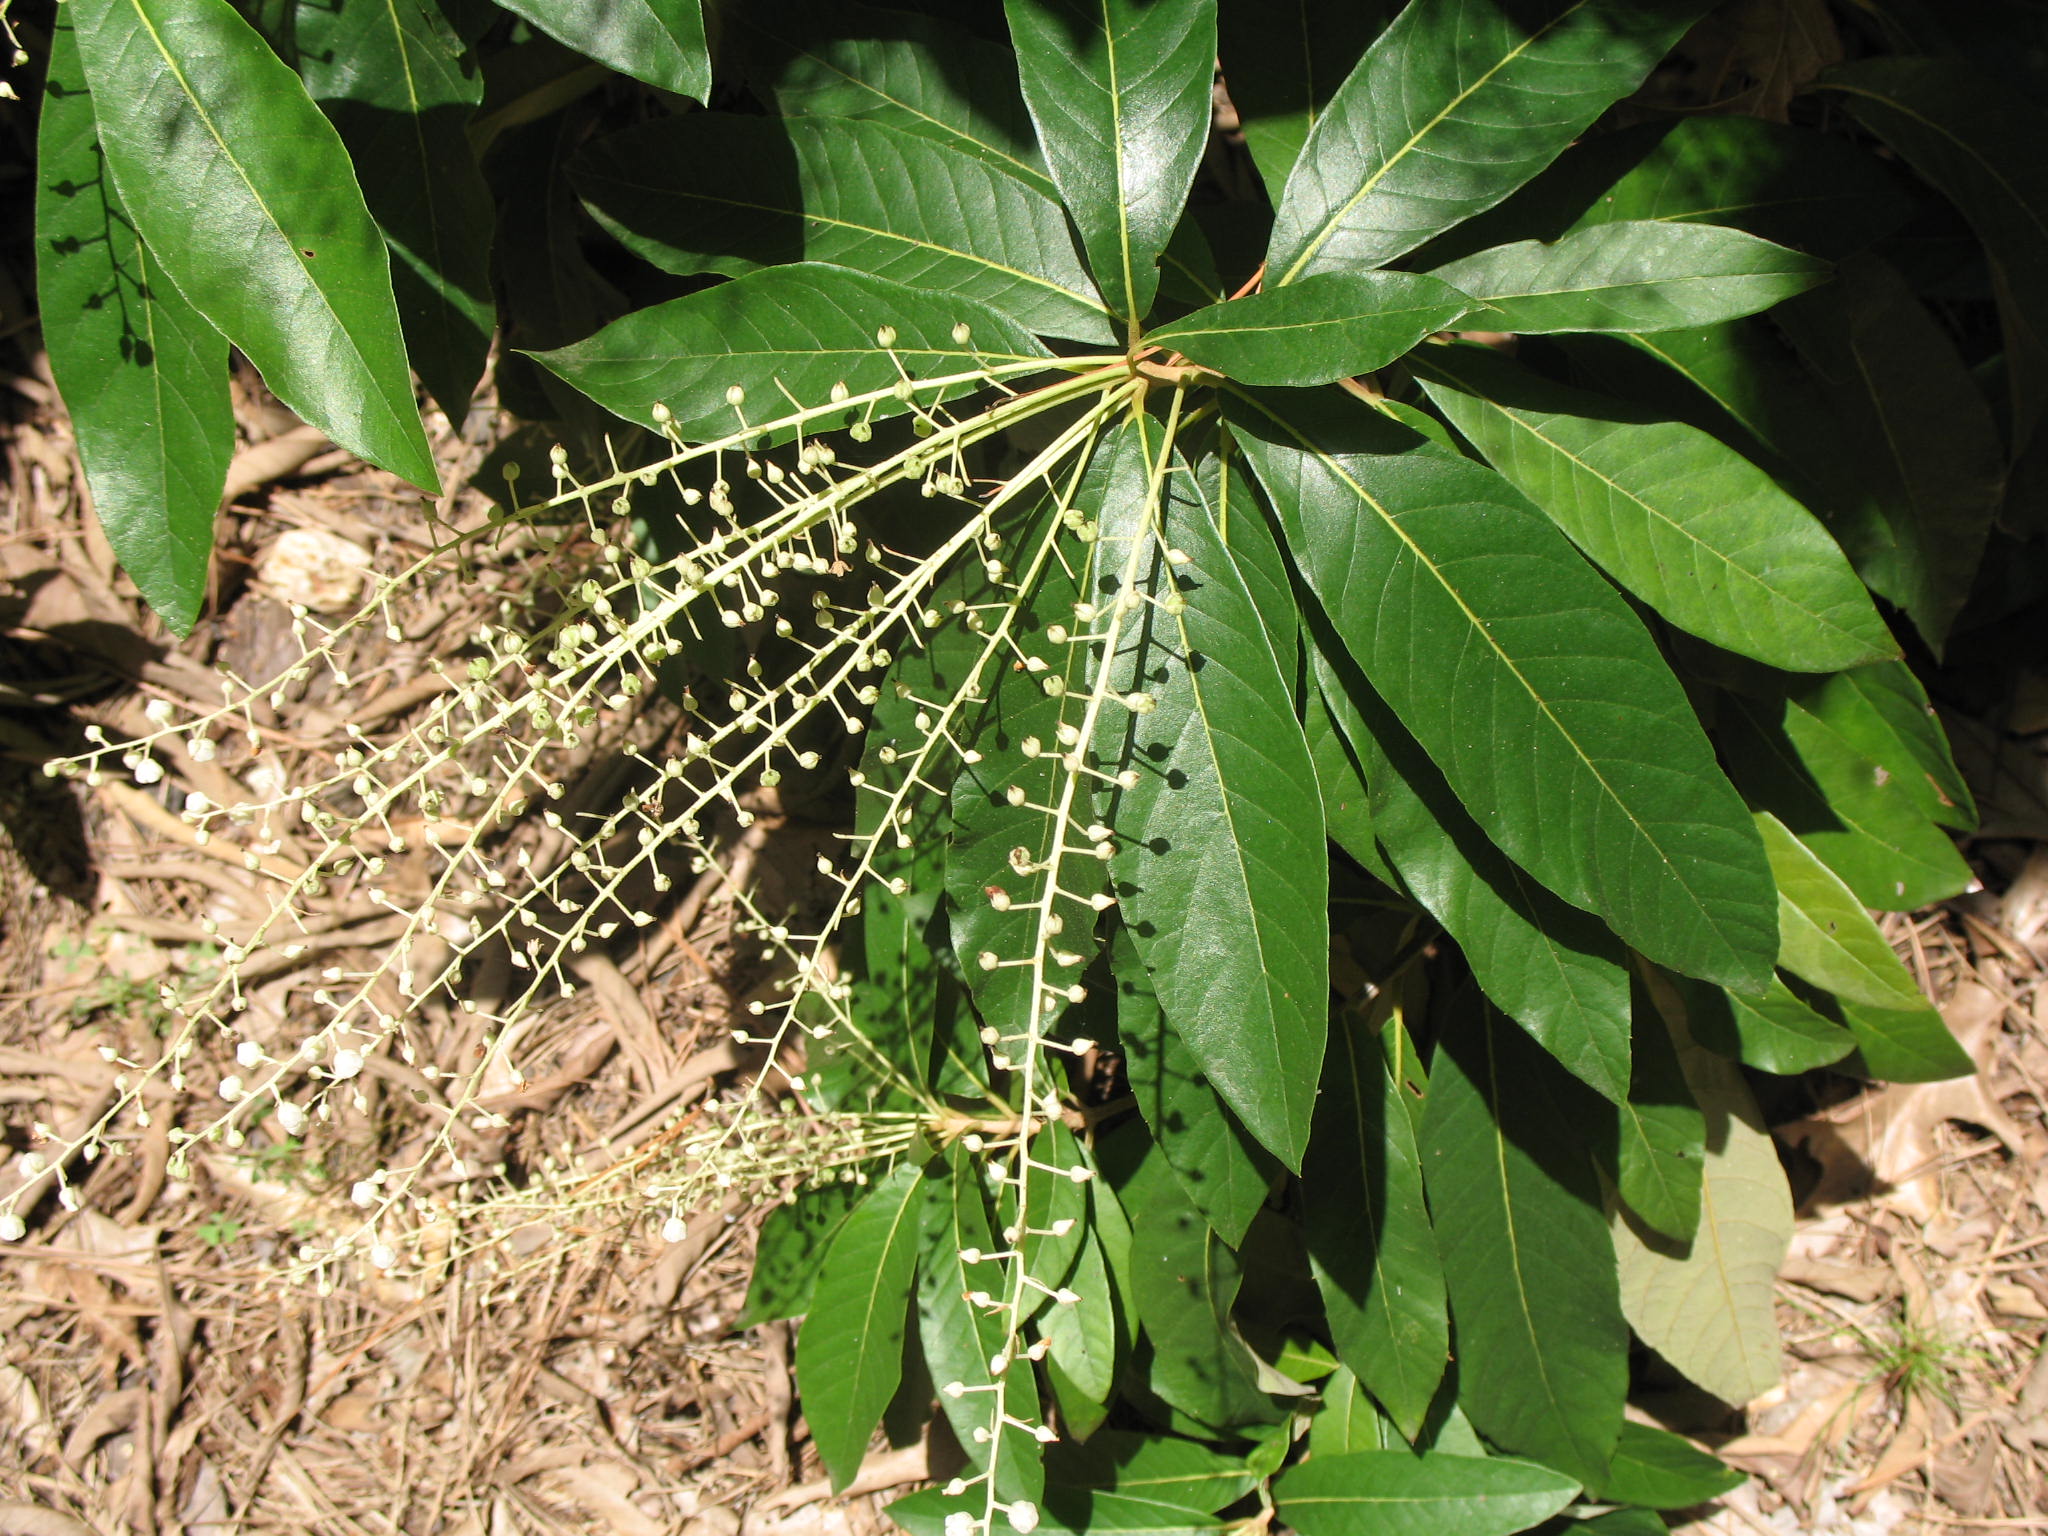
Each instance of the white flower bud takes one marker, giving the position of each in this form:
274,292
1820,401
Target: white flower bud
347,1063
674,1230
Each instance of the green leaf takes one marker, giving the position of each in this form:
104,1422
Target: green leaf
1456,105
962,1335
1656,1468
1081,1338
849,1353
1707,1308
1059,1206
1682,521
1857,815
142,374
1826,936
1397,1493
1976,140
1233,832
1349,1420
1922,433
1663,1136
1640,276
1327,327
829,58
712,192
1120,92
1777,1032
1220,1165
1816,192
1485,632
1156,1467
246,196
1542,1349
1067,1512
659,41
1369,1233
789,1251
1882,714
789,332
1903,1045
1347,815
1553,969
390,78
1282,62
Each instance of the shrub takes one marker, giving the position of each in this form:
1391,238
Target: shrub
1369,671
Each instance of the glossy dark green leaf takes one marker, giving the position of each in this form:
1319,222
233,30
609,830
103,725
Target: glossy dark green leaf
390,77
1976,139
1082,1338
1923,432
849,1353
922,74
1224,820
1777,1032
1347,812
1220,1165
143,375
1120,92
1662,1135
800,328
1817,192
1681,520
1638,276
1157,1467
1656,1468
712,192
1330,326
1067,1512
244,193
659,41
1057,1199
1397,1493
1708,1307
1882,714
1369,1232
1282,62
1456,105
961,1319
1855,813
1542,1348
1555,970
789,1251
1526,679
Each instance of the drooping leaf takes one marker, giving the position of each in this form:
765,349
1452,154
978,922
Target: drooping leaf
713,192
1233,831
1453,107
1554,970
1882,714
1330,326
1657,1160
389,76
800,328
1119,90
1830,941
1857,815
1656,1468
1156,1467
1684,522
1369,1232
1778,1032
245,195
789,1251
142,373
1707,1307
922,74
961,1320
1974,138
1484,630
1923,434
659,41
1282,62
1637,276
849,1353
1082,1338
1541,1345
1220,1165
1397,1493
1817,192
